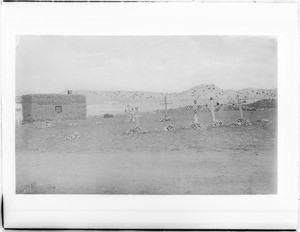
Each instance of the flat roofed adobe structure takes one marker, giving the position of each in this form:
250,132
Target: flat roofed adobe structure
53,107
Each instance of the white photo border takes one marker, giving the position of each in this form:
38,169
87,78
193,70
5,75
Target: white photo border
278,211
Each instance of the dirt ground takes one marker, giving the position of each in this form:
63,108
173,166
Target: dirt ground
106,160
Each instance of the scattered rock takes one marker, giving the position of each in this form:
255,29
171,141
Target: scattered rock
215,124
97,123
196,126
241,122
170,127
135,130
74,136
46,125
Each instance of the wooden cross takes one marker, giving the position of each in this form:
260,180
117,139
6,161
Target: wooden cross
240,106
137,116
166,103
129,111
212,109
195,109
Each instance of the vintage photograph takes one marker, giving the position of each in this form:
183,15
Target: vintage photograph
156,115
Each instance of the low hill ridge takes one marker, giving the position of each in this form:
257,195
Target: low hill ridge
200,92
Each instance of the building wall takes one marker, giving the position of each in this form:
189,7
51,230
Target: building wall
41,107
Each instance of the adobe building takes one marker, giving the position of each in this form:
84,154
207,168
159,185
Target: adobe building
53,107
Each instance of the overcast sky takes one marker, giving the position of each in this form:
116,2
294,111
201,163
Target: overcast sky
52,64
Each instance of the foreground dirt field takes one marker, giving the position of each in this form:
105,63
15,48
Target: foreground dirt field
106,160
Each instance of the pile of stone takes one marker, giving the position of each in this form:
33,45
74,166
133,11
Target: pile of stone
241,122
74,136
135,130
215,124
170,127
196,126
46,125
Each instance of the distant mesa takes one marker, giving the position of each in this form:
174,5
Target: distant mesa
116,101
200,92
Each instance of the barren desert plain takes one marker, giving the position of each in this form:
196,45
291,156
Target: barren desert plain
105,159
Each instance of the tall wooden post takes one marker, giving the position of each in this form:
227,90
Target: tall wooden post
195,112
196,119
137,116
166,107
240,107
166,103
212,109
129,111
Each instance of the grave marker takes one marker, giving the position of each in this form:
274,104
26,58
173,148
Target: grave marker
129,111
195,109
212,109
240,106
137,116
166,103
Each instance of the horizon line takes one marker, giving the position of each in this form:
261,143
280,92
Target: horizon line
147,91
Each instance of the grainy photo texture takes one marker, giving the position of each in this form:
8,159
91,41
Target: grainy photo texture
146,115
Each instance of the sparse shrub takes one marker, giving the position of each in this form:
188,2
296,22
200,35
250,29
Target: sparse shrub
108,116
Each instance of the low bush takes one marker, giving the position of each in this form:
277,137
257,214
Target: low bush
107,116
